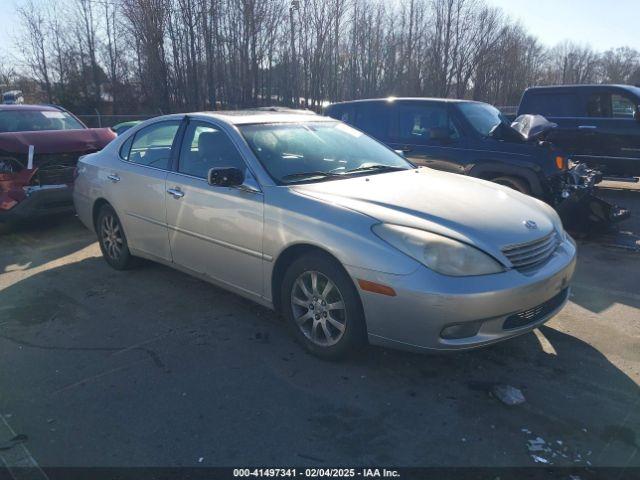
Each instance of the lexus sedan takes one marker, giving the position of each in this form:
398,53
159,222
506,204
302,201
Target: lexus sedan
339,233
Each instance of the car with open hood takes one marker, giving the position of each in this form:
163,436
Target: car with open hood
315,219
39,149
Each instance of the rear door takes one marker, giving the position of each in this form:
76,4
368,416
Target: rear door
214,230
136,187
428,135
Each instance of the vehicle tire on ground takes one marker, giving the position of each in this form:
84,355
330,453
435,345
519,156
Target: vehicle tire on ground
514,183
322,306
113,242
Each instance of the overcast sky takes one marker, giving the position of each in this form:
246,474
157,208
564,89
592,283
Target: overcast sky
601,23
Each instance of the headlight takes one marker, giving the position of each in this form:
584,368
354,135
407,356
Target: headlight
557,224
438,253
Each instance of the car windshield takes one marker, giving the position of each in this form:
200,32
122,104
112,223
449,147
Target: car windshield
35,120
313,151
482,117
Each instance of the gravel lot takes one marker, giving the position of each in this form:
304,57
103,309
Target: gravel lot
154,368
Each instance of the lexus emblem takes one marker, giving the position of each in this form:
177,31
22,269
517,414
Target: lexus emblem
530,224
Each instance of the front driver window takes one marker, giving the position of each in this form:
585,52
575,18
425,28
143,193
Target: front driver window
205,147
421,123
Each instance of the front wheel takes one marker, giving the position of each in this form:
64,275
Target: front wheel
322,306
113,242
514,183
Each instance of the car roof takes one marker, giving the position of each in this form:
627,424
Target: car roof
596,86
34,108
405,99
244,117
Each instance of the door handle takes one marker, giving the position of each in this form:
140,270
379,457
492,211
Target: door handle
587,127
114,177
175,192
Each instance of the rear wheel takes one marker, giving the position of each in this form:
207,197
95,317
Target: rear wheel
514,183
113,242
322,306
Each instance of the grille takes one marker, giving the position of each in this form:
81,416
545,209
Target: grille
527,256
534,314
54,169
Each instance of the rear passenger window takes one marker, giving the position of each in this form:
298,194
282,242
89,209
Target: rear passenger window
372,118
126,148
554,105
152,145
599,105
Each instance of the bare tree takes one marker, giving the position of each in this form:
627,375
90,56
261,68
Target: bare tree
176,55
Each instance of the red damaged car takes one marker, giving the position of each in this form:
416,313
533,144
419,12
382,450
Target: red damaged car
39,149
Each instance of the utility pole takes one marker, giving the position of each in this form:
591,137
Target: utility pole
295,5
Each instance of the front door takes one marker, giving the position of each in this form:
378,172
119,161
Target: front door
137,187
213,230
615,135
428,136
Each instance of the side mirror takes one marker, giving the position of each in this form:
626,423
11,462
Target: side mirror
400,152
439,133
225,177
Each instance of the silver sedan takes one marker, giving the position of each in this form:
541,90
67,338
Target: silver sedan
343,236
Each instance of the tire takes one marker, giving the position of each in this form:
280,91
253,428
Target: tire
113,242
329,333
514,183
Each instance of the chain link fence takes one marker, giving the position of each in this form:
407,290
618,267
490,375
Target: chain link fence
99,120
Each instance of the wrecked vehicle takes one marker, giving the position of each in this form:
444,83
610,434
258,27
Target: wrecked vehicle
474,138
579,208
39,149
598,124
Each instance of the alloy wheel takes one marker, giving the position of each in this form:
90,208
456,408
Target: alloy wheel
318,308
112,236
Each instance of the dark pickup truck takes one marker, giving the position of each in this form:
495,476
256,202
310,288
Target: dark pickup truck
597,124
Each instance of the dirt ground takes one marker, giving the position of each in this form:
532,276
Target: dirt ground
151,367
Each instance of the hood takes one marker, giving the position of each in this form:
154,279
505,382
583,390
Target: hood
468,209
532,127
56,141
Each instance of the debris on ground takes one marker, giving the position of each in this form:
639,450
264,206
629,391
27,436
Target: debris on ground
539,459
508,395
538,445
17,440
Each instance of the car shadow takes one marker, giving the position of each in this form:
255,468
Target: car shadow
84,339
30,243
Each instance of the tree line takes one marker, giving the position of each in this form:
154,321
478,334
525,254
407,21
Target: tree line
134,56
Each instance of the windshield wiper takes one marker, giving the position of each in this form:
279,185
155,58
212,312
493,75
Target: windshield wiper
375,168
302,176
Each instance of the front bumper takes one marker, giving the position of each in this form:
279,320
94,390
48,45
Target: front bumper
503,305
38,201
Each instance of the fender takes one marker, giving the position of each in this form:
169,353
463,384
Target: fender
495,169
